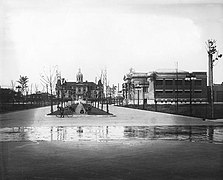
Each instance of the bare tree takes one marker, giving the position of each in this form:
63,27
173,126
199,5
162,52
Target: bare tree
30,92
13,85
31,88
36,88
48,77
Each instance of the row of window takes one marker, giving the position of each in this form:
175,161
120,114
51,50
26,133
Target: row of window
178,91
79,89
197,82
180,100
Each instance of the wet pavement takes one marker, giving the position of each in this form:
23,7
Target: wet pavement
208,134
133,144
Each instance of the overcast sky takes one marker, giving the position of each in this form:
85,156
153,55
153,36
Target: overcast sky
107,34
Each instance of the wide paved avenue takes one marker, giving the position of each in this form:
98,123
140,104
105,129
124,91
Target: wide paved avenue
122,116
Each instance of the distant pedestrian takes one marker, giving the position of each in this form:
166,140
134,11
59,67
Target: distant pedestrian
61,112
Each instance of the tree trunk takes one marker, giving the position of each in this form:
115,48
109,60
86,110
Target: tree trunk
51,100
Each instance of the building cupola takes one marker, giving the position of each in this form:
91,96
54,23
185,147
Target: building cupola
79,76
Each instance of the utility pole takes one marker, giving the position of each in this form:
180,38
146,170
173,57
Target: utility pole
104,81
154,76
211,50
177,89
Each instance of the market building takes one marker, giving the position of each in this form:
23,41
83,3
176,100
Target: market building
218,93
183,87
165,86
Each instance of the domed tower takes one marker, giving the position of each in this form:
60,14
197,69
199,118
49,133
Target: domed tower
79,76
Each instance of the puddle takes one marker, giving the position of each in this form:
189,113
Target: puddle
209,134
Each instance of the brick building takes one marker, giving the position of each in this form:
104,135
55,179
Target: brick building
182,86
165,86
218,93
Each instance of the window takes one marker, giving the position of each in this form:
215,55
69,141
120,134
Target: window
145,89
169,82
198,82
197,91
159,91
178,82
179,91
168,91
187,83
159,82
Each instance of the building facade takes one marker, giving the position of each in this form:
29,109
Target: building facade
79,90
165,86
182,86
136,88
218,93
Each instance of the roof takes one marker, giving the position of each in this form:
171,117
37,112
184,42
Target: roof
170,71
80,83
136,75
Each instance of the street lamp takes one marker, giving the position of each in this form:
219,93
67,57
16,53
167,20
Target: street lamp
190,77
133,93
63,85
138,88
144,86
153,78
19,93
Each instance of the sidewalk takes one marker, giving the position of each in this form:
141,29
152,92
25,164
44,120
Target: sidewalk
215,120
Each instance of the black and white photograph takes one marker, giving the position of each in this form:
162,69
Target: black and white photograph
111,89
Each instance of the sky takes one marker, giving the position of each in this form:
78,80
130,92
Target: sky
115,35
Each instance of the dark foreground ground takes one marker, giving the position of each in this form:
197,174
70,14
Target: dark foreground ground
128,146
111,160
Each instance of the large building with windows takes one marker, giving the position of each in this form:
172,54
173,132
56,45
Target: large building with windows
182,86
165,86
80,89
218,93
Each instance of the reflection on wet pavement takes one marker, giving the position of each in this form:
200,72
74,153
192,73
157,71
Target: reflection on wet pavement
210,134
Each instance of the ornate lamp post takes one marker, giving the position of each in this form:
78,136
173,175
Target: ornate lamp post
153,77
19,92
190,77
144,85
138,89
133,93
63,88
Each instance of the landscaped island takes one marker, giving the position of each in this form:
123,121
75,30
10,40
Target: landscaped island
79,109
